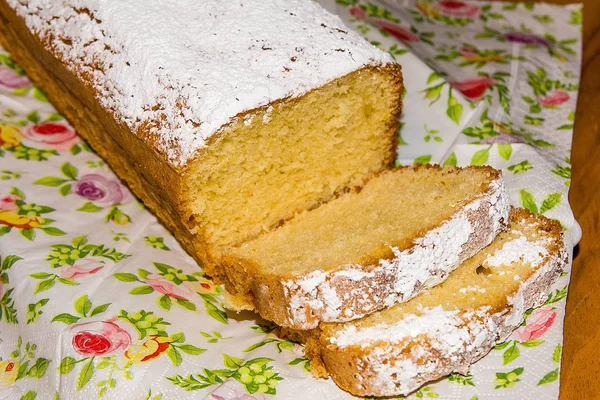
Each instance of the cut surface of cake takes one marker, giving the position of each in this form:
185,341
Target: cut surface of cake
404,231
447,328
226,118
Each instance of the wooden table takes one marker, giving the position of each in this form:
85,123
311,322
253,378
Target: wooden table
580,372
580,376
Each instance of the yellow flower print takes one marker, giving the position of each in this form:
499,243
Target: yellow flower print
12,218
9,137
8,373
150,349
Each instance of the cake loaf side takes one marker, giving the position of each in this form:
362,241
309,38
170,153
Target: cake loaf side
451,326
224,129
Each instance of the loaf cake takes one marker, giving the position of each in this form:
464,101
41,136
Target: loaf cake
403,232
224,117
449,327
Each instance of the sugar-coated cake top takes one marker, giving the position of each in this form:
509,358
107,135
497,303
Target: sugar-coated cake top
186,67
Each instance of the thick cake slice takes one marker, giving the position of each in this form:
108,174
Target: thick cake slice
224,117
449,327
402,233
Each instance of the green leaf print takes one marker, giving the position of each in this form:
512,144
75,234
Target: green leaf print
505,150
433,77
126,277
232,362
556,296
8,311
29,395
141,290
528,201
50,181
65,318
549,377
422,160
155,242
455,109
83,305
44,285
465,380
557,353
511,354
520,168
34,310
67,364
39,368
85,374
165,302
576,17
186,304
480,157
535,121
550,202
255,374
28,233
33,116
174,355
191,349
52,231
427,391
89,207
451,160
506,380
214,337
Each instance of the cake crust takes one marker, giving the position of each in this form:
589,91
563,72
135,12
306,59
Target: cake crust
447,341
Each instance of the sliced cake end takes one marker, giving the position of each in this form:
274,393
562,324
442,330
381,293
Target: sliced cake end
403,232
449,327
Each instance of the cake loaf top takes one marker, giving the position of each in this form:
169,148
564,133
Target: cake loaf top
176,71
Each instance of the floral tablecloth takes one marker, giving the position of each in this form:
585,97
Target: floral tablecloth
97,300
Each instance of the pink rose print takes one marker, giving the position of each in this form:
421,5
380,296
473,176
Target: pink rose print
554,98
7,202
233,390
60,136
99,338
397,31
458,9
473,89
11,79
81,267
526,38
167,287
101,190
537,324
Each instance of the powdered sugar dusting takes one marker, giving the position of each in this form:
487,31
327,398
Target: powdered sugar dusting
353,291
520,249
399,357
437,320
185,68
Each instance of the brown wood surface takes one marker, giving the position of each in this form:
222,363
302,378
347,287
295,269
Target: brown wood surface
580,374
580,369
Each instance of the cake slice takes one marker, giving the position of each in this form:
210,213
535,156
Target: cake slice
449,327
224,117
402,233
